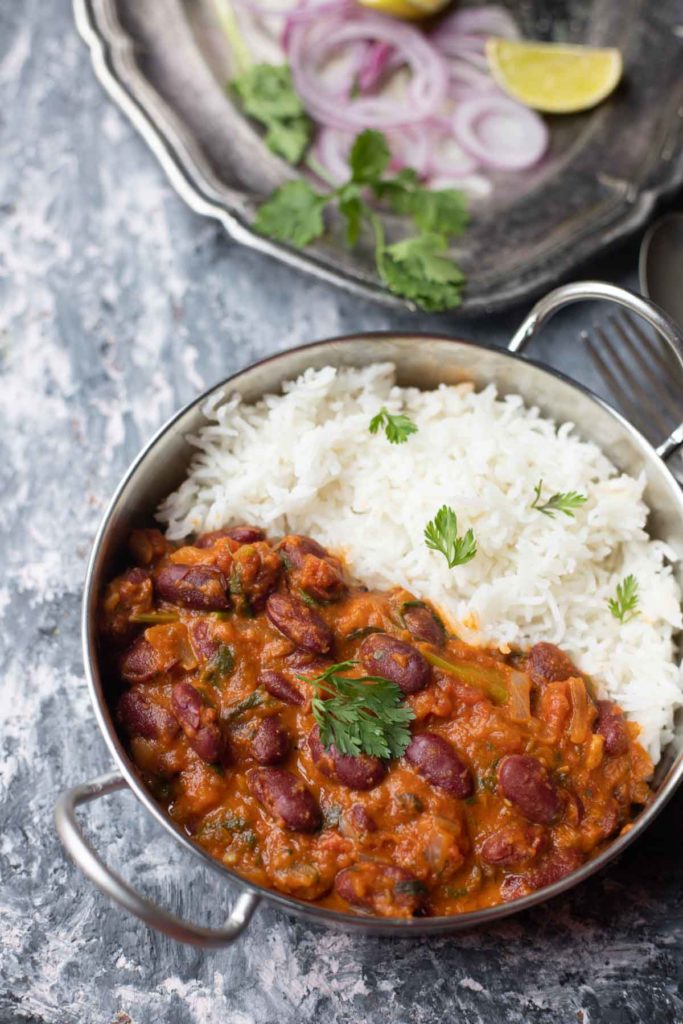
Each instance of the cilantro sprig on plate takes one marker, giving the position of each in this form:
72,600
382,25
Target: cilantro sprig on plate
417,268
266,93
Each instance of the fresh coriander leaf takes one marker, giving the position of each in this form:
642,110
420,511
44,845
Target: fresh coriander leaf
369,157
233,823
416,269
252,700
563,501
154,618
411,887
266,93
397,427
289,139
360,715
352,207
455,892
441,534
221,665
293,214
442,211
624,606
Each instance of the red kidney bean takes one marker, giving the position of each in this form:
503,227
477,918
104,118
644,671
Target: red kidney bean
199,722
380,888
295,547
246,534
513,846
136,575
140,663
361,820
306,663
438,762
286,798
204,646
422,625
546,663
278,686
241,534
526,784
299,623
361,771
612,727
203,587
140,716
384,655
558,864
270,743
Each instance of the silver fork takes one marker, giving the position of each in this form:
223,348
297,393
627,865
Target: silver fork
638,371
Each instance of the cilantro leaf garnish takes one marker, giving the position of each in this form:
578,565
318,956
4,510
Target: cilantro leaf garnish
220,666
624,606
293,214
369,157
441,534
397,427
443,211
360,715
417,268
266,93
562,501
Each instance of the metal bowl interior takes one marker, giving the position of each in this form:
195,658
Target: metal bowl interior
426,362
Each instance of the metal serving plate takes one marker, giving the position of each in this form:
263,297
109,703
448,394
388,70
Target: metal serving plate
166,65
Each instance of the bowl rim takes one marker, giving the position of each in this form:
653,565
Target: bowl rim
397,927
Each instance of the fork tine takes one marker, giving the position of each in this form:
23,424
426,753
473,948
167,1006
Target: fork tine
639,345
623,383
653,409
652,344
612,382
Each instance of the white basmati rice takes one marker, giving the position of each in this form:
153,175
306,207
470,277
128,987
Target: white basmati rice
305,462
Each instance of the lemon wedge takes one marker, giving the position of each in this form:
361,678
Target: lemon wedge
551,77
408,10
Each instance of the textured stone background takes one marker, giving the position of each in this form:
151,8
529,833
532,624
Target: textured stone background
116,306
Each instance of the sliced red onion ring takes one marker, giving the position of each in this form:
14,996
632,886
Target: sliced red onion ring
309,45
301,13
332,152
466,80
410,147
377,60
476,21
476,185
500,133
447,161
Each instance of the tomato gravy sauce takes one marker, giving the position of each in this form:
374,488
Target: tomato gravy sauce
514,774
